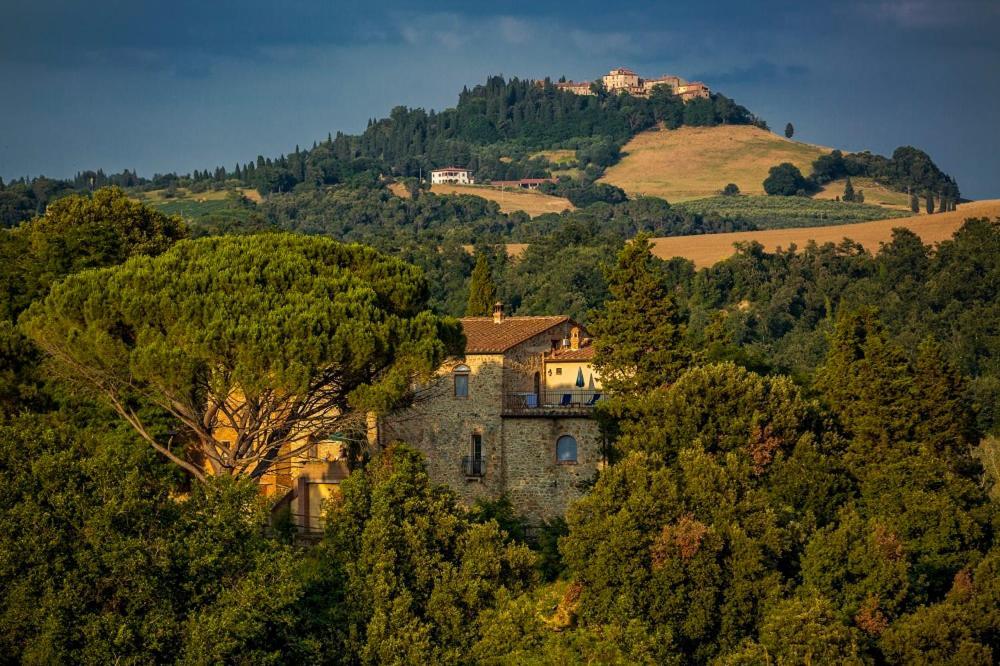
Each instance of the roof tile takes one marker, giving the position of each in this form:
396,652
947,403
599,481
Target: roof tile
484,336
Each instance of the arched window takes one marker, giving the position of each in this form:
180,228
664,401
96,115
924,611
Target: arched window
566,449
461,374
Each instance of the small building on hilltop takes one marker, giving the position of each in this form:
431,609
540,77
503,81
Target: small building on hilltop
512,416
452,175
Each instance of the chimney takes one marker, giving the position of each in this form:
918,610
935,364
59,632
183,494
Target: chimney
574,338
498,312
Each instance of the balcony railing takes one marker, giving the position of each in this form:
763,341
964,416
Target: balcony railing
551,402
474,465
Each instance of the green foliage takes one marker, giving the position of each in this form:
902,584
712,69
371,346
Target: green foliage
418,572
730,190
639,331
77,233
789,131
767,212
305,330
785,180
102,558
482,290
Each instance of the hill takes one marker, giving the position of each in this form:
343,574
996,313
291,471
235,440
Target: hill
708,249
532,203
696,162
875,193
766,212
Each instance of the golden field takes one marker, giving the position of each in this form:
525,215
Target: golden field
707,249
696,162
531,202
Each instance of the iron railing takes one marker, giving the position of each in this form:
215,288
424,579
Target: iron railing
474,465
551,401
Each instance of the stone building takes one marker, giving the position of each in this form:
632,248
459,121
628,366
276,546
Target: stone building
512,417
624,81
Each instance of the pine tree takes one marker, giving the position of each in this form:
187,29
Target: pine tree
482,290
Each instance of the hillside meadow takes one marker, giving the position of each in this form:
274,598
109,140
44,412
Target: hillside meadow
531,202
767,212
707,249
697,162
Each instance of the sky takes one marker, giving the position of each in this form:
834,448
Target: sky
193,84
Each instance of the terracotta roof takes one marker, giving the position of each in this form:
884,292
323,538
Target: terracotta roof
484,336
584,353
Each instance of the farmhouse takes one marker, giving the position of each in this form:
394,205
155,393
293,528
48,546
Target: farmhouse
523,183
512,416
625,81
453,175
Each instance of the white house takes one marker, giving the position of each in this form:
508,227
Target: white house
456,175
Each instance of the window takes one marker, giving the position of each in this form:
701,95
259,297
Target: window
558,371
462,381
566,449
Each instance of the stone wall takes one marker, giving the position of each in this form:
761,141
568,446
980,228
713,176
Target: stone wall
519,452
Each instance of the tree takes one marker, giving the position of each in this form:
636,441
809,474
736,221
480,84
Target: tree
76,233
252,343
108,558
417,570
784,180
914,203
929,198
789,131
639,331
731,190
482,290
848,191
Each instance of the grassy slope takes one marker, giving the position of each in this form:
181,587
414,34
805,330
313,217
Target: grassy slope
874,193
708,249
696,162
786,212
532,203
192,206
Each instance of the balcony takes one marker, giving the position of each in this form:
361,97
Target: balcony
554,402
474,466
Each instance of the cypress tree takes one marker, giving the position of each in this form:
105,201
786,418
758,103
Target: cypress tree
482,290
848,190
914,203
639,331
930,203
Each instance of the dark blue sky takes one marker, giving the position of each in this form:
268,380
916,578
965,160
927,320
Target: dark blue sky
194,84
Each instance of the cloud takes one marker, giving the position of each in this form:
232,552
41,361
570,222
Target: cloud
762,71
929,14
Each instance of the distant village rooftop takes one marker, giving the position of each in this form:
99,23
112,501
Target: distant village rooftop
623,80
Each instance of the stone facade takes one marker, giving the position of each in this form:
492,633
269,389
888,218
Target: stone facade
508,416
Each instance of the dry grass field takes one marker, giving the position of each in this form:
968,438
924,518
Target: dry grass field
874,193
696,162
183,194
532,203
708,249
399,189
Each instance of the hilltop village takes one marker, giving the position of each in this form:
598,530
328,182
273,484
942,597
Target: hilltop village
624,80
